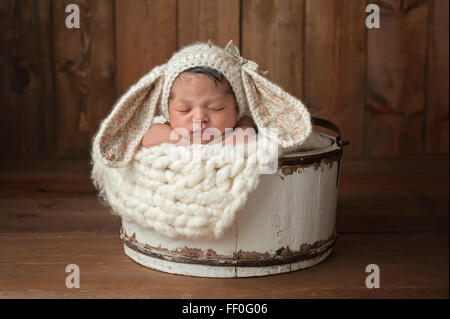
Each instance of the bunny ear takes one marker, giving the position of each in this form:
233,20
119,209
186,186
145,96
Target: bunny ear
121,132
272,107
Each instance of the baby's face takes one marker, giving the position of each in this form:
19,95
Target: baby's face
196,97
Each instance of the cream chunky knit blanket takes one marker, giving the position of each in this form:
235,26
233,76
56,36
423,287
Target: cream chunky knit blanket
189,191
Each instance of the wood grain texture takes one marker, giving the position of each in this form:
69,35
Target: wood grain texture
438,77
396,64
84,71
411,266
27,120
335,66
57,215
272,36
58,83
145,38
46,186
394,196
201,20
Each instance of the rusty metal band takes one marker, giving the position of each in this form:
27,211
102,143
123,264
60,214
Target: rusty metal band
293,163
282,257
334,155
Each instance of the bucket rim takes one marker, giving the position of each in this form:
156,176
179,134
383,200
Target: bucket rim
333,152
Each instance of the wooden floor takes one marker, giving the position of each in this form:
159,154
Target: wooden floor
391,213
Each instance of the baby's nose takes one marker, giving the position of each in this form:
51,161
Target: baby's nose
200,115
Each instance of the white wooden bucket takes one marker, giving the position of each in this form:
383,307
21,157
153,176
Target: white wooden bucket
287,224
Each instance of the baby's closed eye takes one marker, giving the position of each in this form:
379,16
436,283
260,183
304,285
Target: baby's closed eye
182,108
187,109
216,108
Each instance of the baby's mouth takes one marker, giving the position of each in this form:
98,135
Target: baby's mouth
199,131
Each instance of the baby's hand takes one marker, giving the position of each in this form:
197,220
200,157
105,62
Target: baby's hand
243,132
240,135
158,134
161,133
245,122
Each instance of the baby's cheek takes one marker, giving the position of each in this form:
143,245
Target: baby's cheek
226,121
231,124
176,122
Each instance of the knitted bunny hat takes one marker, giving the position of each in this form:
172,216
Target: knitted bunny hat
270,106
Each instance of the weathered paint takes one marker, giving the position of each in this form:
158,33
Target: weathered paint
288,223
284,255
218,271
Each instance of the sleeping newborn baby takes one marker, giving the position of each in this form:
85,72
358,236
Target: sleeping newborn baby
202,102
202,94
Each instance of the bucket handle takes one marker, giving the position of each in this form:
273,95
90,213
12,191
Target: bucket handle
331,126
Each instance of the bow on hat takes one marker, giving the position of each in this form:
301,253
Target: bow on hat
233,50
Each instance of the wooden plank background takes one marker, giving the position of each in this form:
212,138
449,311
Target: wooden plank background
386,88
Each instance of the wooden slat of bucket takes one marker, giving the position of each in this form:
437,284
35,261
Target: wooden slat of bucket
290,212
